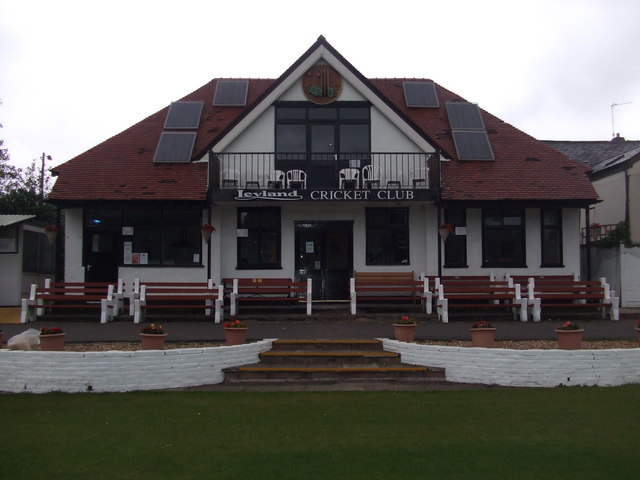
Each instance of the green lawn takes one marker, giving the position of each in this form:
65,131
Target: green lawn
557,433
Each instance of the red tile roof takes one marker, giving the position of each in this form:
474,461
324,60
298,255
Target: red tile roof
122,167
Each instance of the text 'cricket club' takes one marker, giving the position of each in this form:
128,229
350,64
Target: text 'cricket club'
325,195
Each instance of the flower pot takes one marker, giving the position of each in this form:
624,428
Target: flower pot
52,343
152,341
404,332
483,337
235,336
569,339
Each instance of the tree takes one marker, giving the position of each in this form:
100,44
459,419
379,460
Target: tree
20,189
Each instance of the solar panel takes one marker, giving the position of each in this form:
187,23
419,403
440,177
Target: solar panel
420,94
231,93
184,115
472,145
464,116
175,147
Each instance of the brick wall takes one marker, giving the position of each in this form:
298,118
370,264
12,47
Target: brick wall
525,368
120,371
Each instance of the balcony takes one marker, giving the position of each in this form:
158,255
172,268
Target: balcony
300,171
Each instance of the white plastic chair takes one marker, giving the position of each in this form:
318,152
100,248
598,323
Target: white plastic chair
370,176
298,178
349,175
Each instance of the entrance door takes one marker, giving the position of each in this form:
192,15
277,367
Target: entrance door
102,253
324,252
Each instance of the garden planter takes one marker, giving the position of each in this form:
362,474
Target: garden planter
52,343
235,336
569,339
483,337
153,341
404,332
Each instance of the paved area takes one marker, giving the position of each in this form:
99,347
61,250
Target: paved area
328,325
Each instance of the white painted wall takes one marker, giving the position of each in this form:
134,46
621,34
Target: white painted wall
621,267
73,269
525,368
422,219
570,236
612,191
634,201
120,371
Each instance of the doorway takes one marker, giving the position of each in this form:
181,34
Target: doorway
324,253
102,240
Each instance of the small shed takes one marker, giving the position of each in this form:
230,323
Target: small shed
27,255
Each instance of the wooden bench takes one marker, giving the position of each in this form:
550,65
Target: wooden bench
179,296
523,280
576,294
270,290
72,295
387,287
133,293
480,295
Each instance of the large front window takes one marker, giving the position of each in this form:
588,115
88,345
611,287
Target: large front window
161,235
322,139
503,237
387,236
258,238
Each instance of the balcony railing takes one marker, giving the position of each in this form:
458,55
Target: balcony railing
325,171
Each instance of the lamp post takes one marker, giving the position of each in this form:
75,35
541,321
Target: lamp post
47,157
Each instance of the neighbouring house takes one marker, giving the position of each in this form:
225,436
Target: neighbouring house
27,255
615,174
317,174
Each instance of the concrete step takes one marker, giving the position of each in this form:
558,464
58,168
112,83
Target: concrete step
331,362
287,374
330,358
330,345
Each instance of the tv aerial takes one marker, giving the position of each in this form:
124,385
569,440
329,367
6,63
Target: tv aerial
613,106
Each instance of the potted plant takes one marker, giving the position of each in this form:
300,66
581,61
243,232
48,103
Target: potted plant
569,336
152,337
235,332
405,329
52,339
483,334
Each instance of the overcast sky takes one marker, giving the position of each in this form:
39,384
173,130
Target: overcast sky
74,73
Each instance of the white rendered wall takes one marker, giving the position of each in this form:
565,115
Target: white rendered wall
525,368
11,267
73,269
570,238
120,371
423,249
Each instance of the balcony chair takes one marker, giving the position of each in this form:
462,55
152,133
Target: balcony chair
348,177
395,180
296,179
275,180
370,177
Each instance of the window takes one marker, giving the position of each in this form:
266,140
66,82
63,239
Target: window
455,247
157,236
38,255
316,133
258,238
551,237
503,237
9,239
387,236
